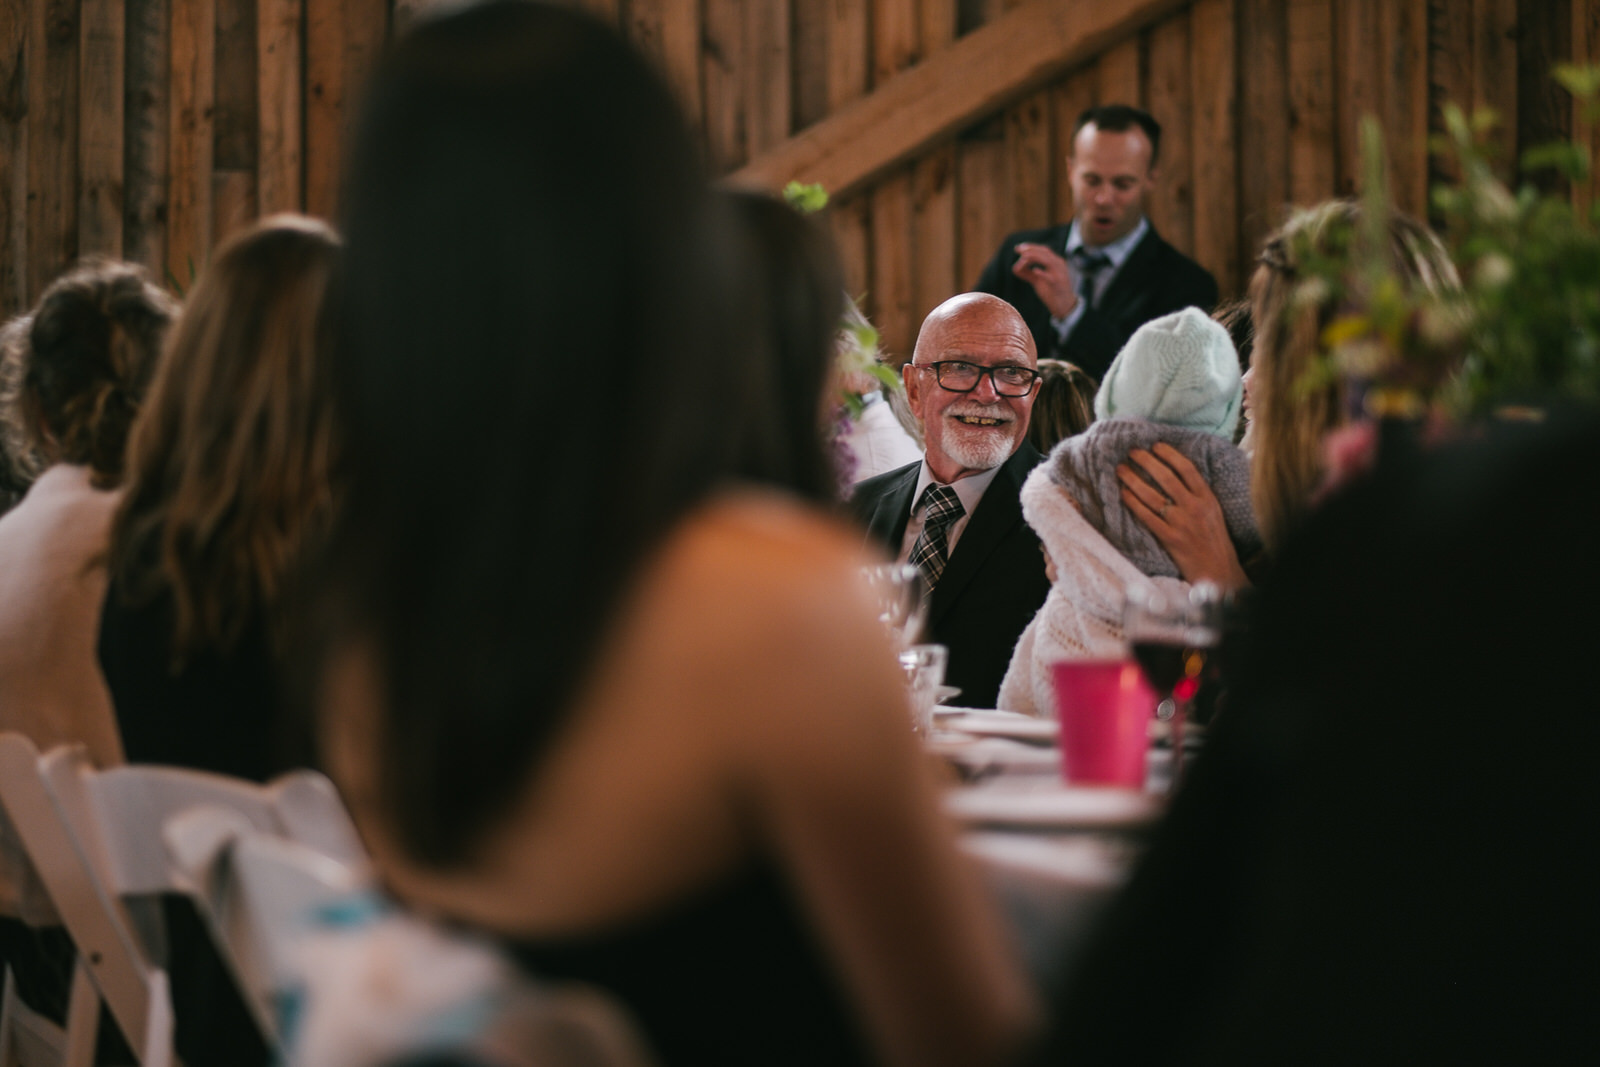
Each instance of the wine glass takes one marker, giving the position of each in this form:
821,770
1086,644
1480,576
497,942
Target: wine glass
897,590
1171,635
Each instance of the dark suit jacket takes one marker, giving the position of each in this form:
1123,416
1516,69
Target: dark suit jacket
1156,279
993,584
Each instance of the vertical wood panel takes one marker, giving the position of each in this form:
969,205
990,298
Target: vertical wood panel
1357,79
279,65
1403,92
848,77
235,92
1028,144
810,44
52,140
669,31
1071,97
1166,96
100,128
1451,34
1544,30
13,156
984,174
1585,131
1119,74
233,202
1312,164
680,51
1263,120
190,139
724,80
1216,206
935,235
1494,72
144,188
896,44
768,89
937,238
343,39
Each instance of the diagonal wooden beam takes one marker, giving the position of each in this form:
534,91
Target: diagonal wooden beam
976,76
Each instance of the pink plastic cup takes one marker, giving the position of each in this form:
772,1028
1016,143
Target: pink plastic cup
1104,707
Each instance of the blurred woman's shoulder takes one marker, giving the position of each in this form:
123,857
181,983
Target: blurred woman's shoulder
751,532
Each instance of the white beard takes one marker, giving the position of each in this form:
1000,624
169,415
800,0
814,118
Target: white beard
980,447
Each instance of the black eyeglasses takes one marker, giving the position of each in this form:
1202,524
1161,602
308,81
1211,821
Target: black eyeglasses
959,376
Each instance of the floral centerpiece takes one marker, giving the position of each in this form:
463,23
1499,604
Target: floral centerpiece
1522,329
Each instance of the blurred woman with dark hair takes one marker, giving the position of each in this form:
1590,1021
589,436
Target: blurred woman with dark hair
643,728
796,297
82,363
229,478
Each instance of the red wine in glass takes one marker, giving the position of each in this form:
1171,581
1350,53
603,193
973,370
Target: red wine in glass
1162,664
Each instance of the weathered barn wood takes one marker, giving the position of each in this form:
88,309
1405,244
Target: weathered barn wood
154,128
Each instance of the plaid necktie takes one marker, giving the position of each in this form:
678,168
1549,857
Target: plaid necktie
1089,265
931,550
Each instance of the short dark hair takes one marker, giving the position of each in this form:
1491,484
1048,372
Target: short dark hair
1119,118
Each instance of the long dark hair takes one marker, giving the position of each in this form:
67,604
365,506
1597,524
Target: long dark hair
528,378
795,297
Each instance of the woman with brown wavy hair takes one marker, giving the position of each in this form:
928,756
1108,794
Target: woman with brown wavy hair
228,479
1290,417
81,363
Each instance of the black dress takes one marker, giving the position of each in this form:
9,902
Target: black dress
729,976
220,712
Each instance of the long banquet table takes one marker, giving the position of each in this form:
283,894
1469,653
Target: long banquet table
1053,855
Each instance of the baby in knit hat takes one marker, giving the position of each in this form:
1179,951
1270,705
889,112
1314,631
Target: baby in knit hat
1176,380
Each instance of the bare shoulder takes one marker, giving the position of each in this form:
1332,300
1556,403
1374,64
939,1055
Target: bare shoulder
755,547
765,595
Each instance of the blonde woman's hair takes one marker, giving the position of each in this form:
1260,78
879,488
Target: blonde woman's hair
230,466
1289,417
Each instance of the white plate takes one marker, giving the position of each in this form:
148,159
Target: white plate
1063,808
1002,724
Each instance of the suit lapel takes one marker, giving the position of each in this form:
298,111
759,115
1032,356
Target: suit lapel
889,516
1134,274
998,514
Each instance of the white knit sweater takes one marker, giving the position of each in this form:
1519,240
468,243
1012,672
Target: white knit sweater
1082,616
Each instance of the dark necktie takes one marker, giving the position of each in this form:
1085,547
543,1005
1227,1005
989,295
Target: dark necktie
931,551
1089,265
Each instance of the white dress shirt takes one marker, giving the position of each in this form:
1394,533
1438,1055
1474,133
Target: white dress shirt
1117,252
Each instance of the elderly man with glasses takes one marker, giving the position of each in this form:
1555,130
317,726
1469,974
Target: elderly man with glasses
956,514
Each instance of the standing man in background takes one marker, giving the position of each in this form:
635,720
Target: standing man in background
1084,286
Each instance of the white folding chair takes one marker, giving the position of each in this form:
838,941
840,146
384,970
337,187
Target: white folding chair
95,839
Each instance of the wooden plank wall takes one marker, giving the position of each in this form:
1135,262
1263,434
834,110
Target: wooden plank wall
151,129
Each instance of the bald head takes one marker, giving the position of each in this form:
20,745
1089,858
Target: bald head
976,313
968,432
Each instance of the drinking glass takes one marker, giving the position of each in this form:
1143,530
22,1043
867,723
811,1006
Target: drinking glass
897,590
1171,635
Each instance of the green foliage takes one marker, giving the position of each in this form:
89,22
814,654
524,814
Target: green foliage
1524,326
806,199
856,350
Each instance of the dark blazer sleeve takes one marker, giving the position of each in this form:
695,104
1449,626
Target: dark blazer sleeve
998,280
